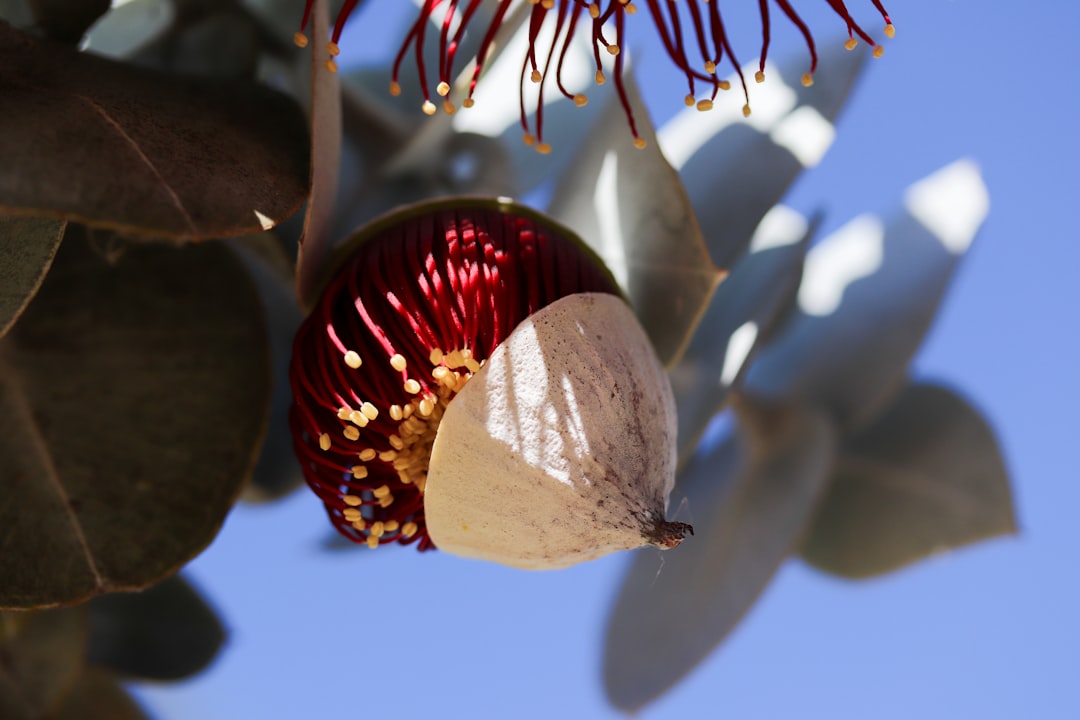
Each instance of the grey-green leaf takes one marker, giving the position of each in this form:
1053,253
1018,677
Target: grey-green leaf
868,295
750,499
736,168
134,393
41,655
741,314
117,146
27,247
166,632
925,477
630,207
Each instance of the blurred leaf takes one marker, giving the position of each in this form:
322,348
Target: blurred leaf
925,477
67,20
736,168
118,146
316,241
741,314
97,696
130,27
41,655
166,632
630,207
133,398
277,471
868,295
27,247
750,499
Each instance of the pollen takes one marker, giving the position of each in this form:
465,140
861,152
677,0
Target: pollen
878,51
581,100
367,454
300,40
372,542
395,89
704,105
351,514
443,89
412,386
640,143
359,472
352,359
352,500
435,356
324,441
397,361
807,79
409,529
851,43
351,433
746,110
759,76
330,66
333,49
370,411
890,31
428,107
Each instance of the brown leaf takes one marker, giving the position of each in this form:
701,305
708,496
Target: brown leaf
117,146
133,398
41,655
27,247
925,477
97,696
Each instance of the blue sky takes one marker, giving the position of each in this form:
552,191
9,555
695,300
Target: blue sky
991,631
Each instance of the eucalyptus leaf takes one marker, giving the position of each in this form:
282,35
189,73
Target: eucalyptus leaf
134,393
277,471
166,632
41,656
629,206
128,28
27,248
742,312
67,20
97,696
925,477
316,241
868,295
122,147
736,168
750,498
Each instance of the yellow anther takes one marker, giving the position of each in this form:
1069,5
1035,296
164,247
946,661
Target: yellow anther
388,455
807,79
443,89
851,43
333,49
470,364
352,500
640,143
351,514
300,39
580,100
412,386
759,76
358,418
386,501
890,31
632,9
468,102
359,472
370,411
689,100
372,542
395,412
368,454
395,89
390,526
878,51
704,105
352,359
426,407
381,491
409,529
535,76
330,65
529,139
343,413
428,107
724,85
435,356
377,529
397,361
396,442
359,524
324,442
613,49
746,110
600,79
448,107
351,433
710,67
543,148
594,10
